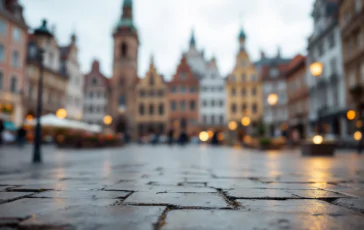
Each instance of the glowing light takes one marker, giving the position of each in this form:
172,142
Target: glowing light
272,99
29,117
107,120
316,69
359,124
351,114
317,140
233,125
248,139
204,136
245,121
220,137
210,133
61,113
357,136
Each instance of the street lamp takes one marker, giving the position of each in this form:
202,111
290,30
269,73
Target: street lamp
44,32
245,121
107,120
61,113
233,125
316,69
272,99
351,114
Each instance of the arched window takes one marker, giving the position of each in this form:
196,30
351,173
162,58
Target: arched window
13,84
233,108
161,109
124,49
141,109
151,109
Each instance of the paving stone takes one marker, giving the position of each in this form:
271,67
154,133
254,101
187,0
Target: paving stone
316,194
8,196
237,220
200,200
6,222
251,193
82,194
312,207
234,183
352,203
94,217
158,189
61,185
32,206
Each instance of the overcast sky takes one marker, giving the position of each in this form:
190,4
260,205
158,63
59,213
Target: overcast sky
165,26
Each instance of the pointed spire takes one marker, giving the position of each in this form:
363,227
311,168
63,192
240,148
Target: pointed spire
127,9
278,52
151,61
193,39
128,3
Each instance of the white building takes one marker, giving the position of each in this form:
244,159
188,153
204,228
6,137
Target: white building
212,97
96,94
71,67
326,92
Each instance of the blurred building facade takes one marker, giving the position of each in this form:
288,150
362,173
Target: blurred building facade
212,98
70,66
271,71
327,98
125,67
152,103
13,51
54,80
96,95
243,88
297,92
184,99
195,58
351,20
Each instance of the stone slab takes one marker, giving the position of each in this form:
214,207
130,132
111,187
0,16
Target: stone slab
355,204
9,196
94,217
82,194
198,200
316,194
311,207
237,220
251,193
159,188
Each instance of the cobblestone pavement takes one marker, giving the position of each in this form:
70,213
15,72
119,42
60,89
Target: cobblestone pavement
192,187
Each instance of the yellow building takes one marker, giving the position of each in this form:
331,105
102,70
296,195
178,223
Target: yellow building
243,88
152,103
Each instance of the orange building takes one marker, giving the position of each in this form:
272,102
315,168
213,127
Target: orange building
184,99
297,93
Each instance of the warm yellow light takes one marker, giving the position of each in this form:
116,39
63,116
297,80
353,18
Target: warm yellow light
359,124
204,136
61,113
317,140
29,117
220,137
247,139
351,114
316,69
233,125
357,136
273,99
210,133
60,138
245,121
284,127
107,120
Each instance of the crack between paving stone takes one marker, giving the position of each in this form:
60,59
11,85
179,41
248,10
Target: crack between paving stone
162,219
17,198
231,201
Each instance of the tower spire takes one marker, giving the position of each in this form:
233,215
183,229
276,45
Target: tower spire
193,39
127,9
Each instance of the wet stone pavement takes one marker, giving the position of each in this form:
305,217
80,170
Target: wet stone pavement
192,187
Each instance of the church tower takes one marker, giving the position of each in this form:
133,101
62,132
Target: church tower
125,70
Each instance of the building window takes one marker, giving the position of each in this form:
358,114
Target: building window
183,89
204,119
233,79
321,49
15,59
221,119
94,81
2,53
212,89
233,92
121,81
13,84
161,109
16,35
192,89
254,108
2,27
212,103
151,93
91,108
122,102
254,78
183,105
358,6
254,91
141,109
160,93
333,66
173,106
332,40
151,79
221,88
174,89
151,109
243,92
1,80
233,108
243,77
212,119
142,93
221,103
273,72
204,103
192,105
124,50
243,108
352,79
183,76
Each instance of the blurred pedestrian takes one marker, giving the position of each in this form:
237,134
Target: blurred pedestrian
21,136
215,140
2,128
170,136
183,138
360,147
